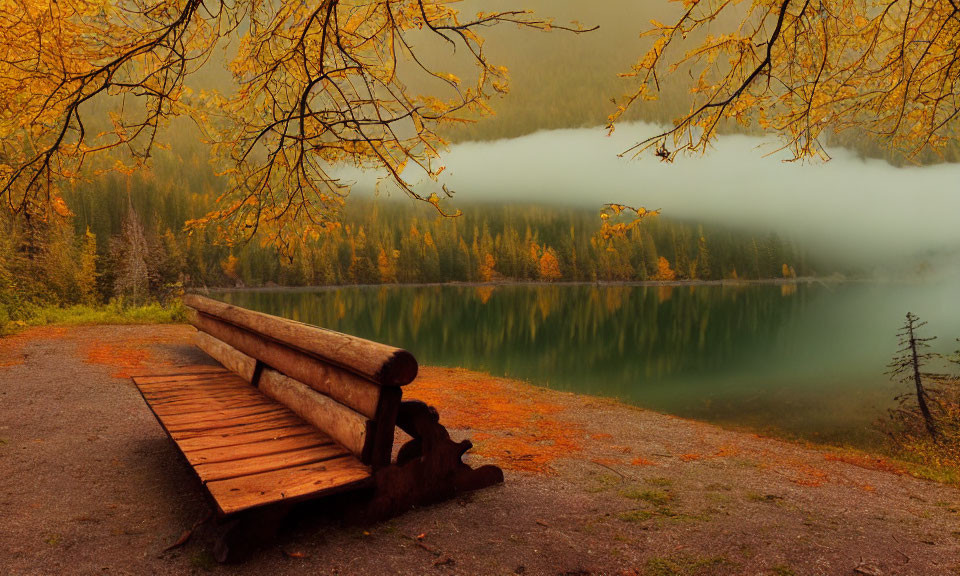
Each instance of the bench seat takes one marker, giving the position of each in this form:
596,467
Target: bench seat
248,449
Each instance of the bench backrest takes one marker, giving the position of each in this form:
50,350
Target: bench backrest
347,387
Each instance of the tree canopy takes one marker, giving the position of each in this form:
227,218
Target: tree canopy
370,83
319,83
806,68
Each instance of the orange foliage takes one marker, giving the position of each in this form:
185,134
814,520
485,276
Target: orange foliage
509,423
126,361
229,267
11,347
133,356
664,272
868,462
804,70
550,266
387,267
487,268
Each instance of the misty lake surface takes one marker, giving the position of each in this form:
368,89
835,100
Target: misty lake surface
802,361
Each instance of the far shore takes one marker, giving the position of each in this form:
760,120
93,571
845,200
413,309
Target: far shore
498,283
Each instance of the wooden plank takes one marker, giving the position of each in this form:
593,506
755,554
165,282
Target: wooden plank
277,418
206,397
238,429
258,464
187,369
179,396
232,439
290,484
209,389
182,371
252,448
343,386
218,415
175,395
164,379
236,399
214,413
385,365
196,407
231,381
347,427
227,355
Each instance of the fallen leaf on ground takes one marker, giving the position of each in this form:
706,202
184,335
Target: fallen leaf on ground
295,554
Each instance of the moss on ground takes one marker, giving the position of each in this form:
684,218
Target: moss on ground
688,566
84,315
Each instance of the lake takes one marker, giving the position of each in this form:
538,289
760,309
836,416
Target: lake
802,361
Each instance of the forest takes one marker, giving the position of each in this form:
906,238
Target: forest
122,239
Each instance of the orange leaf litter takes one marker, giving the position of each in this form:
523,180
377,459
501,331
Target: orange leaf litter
511,424
11,347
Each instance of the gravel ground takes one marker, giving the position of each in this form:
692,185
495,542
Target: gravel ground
93,486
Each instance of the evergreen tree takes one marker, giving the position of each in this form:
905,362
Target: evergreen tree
87,274
128,254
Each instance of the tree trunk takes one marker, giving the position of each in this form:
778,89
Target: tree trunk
921,394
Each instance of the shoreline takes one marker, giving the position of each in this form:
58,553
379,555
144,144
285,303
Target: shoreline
865,453
536,283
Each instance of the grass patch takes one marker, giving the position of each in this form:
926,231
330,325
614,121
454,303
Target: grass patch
637,516
941,474
603,482
657,501
654,497
660,481
685,566
84,315
918,464
782,570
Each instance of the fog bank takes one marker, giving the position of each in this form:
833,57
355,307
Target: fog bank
861,209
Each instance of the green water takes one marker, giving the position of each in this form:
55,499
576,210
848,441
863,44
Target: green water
802,361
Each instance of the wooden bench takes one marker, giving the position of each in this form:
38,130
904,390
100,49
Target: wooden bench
299,412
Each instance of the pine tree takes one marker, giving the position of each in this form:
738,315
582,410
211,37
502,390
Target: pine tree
87,274
703,269
907,367
129,256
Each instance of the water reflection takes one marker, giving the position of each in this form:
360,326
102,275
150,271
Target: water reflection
802,360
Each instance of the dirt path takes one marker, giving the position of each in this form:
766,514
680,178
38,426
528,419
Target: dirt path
93,486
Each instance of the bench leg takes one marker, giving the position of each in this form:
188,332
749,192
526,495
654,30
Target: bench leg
238,535
429,468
